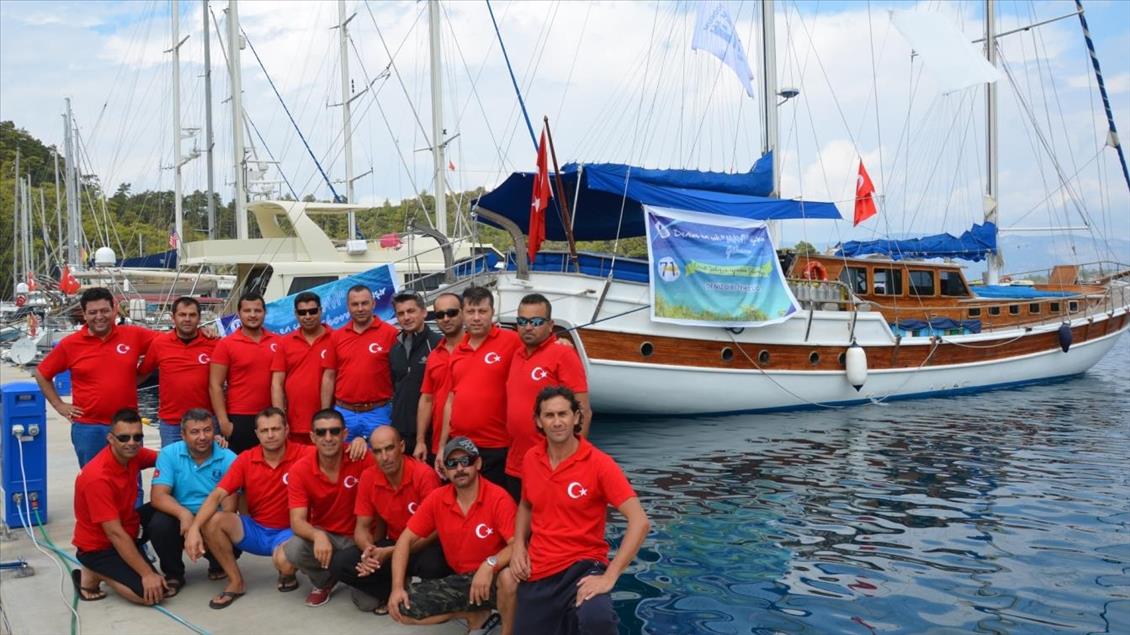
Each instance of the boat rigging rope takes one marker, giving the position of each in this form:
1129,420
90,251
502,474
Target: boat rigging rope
1113,140
513,80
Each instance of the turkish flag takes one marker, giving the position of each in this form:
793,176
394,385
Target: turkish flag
68,284
539,200
864,203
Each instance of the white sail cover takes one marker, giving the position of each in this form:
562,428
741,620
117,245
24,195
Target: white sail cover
954,61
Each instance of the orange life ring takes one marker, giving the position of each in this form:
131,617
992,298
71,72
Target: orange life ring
815,270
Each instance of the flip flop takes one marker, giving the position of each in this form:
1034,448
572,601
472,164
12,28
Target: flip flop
287,583
174,585
230,596
95,593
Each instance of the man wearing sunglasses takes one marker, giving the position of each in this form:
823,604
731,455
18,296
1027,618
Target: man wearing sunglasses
187,472
106,519
296,369
321,495
243,361
433,393
389,494
474,521
407,360
543,361
359,374
560,554
476,405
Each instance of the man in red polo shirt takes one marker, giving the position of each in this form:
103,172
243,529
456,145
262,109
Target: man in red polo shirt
321,495
543,361
476,405
243,359
560,555
359,369
474,520
296,382
390,492
106,519
181,357
261,474
102,357
433,392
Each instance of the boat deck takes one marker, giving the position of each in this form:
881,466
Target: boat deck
32,605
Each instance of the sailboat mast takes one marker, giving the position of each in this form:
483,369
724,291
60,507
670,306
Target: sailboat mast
71,177
346,113
209,140
769,103
178,160
234,46
439,163
58,200
992,183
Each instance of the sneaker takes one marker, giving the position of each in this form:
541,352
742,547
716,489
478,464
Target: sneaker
318,597
492,626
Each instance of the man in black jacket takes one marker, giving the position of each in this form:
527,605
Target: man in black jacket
408,357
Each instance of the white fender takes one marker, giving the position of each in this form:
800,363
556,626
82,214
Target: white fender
856,362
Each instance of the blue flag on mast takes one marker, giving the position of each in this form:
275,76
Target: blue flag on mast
714,33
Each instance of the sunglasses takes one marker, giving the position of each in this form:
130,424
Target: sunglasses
321,432
126,438
449,314
534,321
314,311
464,461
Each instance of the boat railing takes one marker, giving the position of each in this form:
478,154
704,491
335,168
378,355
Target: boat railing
1098,272
826,295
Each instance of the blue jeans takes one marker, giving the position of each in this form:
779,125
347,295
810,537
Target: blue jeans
88,439
170,432
362,424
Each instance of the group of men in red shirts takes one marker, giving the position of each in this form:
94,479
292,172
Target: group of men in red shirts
339,474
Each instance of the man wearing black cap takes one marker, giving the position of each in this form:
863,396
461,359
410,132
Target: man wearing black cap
474,519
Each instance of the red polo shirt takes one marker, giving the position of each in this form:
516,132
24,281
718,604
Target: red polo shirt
468,539
106,490
436,375
264,486
478,379
249,370
183,370
395,506
302,363
103,371
361,360
551,364
569,506
329,504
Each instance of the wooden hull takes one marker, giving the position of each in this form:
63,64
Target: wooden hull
640,367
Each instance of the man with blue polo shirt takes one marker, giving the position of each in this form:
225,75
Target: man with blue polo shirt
187,472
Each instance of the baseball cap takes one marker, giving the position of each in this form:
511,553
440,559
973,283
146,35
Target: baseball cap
460,443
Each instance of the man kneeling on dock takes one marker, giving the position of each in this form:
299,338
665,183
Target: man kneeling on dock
261,473
106,519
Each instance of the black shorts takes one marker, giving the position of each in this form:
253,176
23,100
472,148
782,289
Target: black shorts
514,488
443,596
108,563
548,606
494,465
242,433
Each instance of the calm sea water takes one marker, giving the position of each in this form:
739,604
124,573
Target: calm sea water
1002,512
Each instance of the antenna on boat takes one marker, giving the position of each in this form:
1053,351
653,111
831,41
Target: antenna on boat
992,184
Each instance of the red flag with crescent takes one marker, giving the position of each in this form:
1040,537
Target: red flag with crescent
68,283
539,200
864,189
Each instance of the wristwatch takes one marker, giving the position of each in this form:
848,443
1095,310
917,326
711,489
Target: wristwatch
492,561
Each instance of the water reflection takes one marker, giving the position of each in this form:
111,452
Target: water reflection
999,512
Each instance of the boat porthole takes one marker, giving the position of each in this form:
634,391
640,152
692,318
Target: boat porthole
646,349
814,358
727,354
842,359
763,357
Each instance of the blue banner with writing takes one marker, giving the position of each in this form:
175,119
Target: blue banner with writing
709,270
335,310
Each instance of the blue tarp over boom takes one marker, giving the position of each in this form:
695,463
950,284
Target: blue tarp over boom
606,187
163,260
971,245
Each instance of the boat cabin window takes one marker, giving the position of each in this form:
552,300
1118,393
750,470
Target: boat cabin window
994,310
302,283
1014,309
1054,307
855,278
257,279
975,312
952,283
1034,308
1072,306
921,282
888,282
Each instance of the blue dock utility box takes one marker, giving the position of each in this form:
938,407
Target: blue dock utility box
23,425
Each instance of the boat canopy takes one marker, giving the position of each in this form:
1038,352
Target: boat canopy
605,188
163,260
972,245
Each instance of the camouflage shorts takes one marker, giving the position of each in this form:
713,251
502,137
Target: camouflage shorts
444,595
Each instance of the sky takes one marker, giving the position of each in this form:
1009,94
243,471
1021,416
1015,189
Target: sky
618,81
